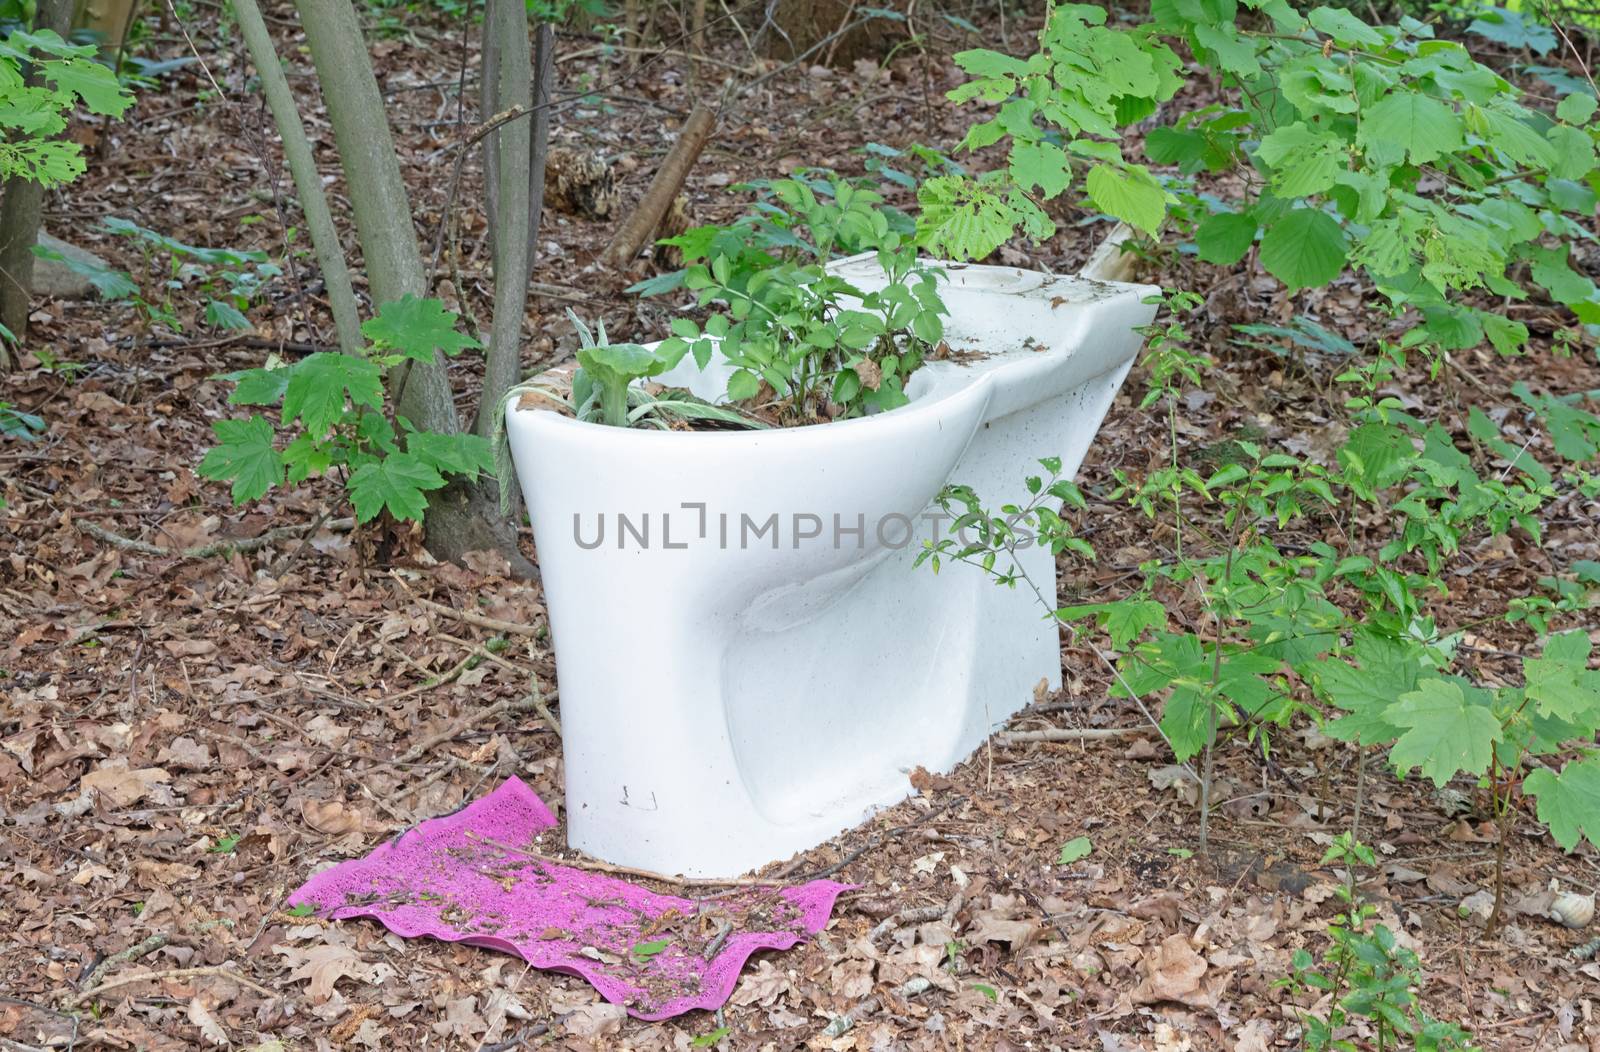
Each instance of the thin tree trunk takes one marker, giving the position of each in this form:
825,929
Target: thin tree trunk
303,166
20,213
461,517
544,92
377,194
507,22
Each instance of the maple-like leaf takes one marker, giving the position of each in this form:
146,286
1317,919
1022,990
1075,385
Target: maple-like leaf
1446,733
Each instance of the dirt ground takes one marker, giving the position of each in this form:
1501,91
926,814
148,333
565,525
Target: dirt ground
184,740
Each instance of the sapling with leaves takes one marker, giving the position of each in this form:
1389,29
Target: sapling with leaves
334,415
1366,974
1373,148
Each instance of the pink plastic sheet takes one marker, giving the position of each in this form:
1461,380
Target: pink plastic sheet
468,877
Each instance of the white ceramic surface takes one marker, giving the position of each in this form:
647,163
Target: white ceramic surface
731,695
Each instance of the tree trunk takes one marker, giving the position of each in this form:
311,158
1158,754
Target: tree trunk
303,166
506,24
462,517
20,214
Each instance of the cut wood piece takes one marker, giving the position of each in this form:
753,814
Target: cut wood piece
664,188
1109,262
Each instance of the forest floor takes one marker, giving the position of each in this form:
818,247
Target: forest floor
184,740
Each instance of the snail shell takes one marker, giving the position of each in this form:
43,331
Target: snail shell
1572,910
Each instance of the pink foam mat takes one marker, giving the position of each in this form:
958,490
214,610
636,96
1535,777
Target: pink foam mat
475,876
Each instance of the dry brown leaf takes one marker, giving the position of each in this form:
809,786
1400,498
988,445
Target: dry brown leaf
336,818
1171,973
210,1029
322,967
763,986
123,786
596,1020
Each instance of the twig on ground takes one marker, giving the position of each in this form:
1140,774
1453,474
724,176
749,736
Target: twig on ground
242,546
215,970
663,189
1068,734
911,915
494,624
132,953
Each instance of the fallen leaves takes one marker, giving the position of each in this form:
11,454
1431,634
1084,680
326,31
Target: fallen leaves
122,786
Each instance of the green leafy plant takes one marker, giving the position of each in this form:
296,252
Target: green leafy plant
332,410
1374,148
605,388
1366,975
800,339
226,280
32,115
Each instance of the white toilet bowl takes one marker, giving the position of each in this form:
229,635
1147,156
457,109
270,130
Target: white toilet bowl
748,661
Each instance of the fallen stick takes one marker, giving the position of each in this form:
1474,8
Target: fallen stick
473,619
243,546
132,953
1067,734
173,973
633,233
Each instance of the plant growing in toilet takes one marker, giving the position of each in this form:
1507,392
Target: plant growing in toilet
804,344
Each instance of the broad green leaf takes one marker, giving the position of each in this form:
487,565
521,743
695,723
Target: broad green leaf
643,951
95,84
461,454
1304,248
416,328
1073,850
1041,164
1130,193
1387,670
1514,30
1124,620
1559,682
244,454
1425,127
961,219
259,386
1304,160
319,383
1446,735
1343,27
1569,803
1224,237
396,483
1576,109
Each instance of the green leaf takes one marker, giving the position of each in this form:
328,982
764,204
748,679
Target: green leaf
1388,669
1559,682
1576,109
318,385
415,328
1569,803
462,454
1074,849
305,909
1041,164
643,951
258,386
244,454
1425,127
111,283
1446,734
1304,248
1224,237
396,483
1129,193
1513,30
222,315
1343,27
962,219
95,84
1304,160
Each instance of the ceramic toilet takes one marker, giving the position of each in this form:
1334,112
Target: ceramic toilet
748,661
